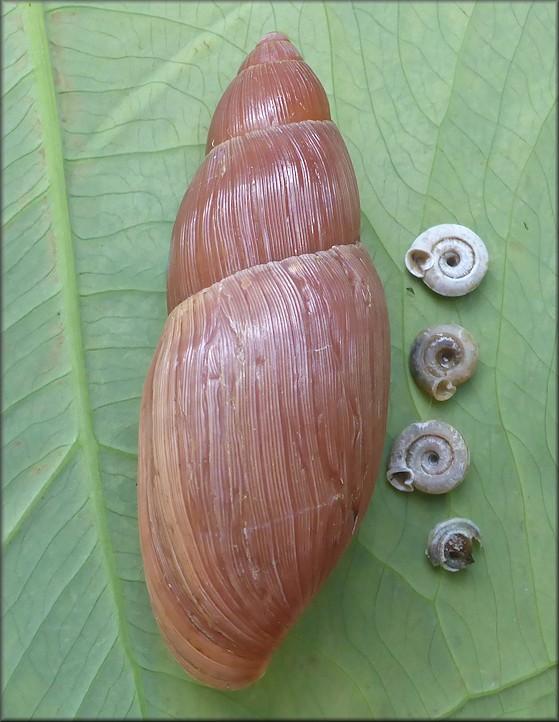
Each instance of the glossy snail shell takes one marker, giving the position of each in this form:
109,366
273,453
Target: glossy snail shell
430,456
450,544
264,410
451,259
442,358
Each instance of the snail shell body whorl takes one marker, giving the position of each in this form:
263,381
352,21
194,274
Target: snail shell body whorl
263,415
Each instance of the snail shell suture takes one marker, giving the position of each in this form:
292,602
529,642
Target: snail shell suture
264,410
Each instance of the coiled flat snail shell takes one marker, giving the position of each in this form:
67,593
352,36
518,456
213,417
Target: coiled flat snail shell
441,358
430,456
451,259
450,544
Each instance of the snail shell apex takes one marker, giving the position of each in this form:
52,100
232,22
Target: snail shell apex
451,259
450,544
430,456
441,358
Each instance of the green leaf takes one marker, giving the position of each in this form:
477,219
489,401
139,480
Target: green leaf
449,113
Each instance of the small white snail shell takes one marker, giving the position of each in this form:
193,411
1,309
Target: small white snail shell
430,456
450,544
451,259
441,358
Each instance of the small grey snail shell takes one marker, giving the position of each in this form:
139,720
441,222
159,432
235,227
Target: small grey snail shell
441,358
451,259
450,544
430,456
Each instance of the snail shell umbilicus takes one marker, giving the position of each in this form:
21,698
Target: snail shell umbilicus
264,410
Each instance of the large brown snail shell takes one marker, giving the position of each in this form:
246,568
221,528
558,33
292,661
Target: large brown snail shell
263,414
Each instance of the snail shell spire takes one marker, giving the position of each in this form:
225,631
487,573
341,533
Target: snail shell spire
277,180
264,411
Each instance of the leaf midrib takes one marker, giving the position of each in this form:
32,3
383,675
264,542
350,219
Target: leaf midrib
34,20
